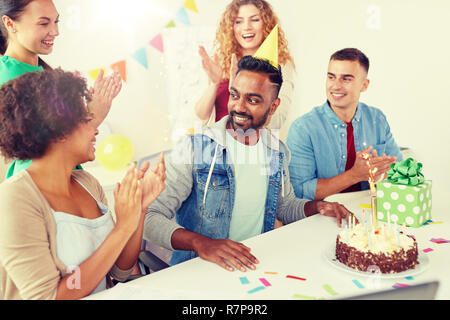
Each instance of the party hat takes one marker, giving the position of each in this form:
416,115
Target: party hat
269,48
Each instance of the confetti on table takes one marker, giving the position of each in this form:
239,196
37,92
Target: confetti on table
400,285
409,278
270,272
244,280
432,222
256,289
439,240
303,297
329,289
265,282
358,284
296,278
427,250
367,206
436,222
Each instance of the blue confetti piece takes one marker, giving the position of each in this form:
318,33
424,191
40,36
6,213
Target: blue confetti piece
256,289
358,284
244,280
409,278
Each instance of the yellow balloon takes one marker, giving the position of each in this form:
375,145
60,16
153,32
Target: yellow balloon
114,152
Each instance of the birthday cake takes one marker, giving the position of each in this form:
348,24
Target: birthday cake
388,249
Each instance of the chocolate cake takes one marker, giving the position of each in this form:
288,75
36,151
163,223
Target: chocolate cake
391,251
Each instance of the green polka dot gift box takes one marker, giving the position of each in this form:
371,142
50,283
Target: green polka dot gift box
405,195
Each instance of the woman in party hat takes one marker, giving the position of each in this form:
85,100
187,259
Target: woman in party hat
243,28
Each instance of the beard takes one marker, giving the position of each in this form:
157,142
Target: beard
253,125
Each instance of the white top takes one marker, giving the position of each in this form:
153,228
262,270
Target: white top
78,238
251,181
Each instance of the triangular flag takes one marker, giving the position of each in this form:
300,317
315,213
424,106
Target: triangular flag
94,73
171,24
122,67
183,16
141,57
269,48
157,42
190,5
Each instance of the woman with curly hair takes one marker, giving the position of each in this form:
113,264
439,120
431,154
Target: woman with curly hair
58,239
28,29
244,26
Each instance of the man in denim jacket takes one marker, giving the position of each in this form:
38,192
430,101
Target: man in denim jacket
219,199
330,144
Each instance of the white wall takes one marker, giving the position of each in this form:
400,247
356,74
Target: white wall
405,40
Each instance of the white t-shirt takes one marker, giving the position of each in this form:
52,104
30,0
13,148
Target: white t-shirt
251,181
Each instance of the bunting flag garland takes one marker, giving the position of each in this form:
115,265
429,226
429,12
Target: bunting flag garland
94,73
182,16
157,43
122,67
141,57
171,24
190,5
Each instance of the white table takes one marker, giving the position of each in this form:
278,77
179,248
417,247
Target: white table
296,249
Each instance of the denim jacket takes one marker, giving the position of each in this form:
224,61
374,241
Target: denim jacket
200,189
318,143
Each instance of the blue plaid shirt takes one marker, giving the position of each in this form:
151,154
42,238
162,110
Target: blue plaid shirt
318,144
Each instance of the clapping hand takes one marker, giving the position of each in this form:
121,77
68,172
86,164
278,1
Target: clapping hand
102,94
211,66
380,164
127,200
152,181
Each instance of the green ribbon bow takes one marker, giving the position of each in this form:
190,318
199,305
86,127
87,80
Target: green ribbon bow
406,172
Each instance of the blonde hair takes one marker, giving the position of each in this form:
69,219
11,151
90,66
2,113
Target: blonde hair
226,43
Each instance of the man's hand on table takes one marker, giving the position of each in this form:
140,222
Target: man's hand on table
329,209
219,251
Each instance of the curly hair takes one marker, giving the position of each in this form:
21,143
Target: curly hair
226,43
39,108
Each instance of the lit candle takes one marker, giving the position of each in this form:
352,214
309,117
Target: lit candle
389,219
365,221
373,199
346,230
397,233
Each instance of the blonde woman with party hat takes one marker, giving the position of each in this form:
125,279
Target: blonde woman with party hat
243,27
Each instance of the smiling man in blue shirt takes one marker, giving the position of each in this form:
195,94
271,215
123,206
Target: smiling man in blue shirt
328,144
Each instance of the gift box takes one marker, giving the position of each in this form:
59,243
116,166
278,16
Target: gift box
405,195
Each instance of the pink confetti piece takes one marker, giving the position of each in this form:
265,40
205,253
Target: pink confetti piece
400,285
439,240
427,250
265,282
